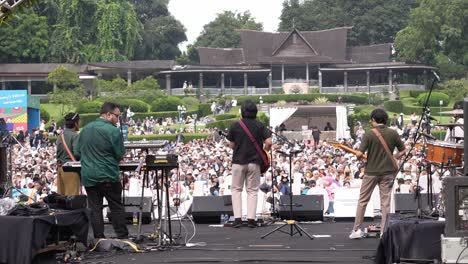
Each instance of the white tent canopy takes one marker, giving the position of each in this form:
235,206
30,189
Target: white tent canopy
312,115
342,130
280,114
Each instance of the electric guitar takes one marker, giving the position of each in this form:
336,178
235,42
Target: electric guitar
263,167
345,148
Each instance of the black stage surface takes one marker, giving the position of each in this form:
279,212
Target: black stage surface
229,245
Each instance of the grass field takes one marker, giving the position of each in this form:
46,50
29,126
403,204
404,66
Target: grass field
55,110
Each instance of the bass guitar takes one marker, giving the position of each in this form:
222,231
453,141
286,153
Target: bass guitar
264,166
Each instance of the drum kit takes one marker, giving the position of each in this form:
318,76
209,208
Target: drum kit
445,156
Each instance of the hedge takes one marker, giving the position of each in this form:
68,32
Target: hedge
168,103
225,116
409,109
89,107
273,98
434,100
134,104
416,93
161,114
170,137
44,114
223,124
394,106
204,110
439,134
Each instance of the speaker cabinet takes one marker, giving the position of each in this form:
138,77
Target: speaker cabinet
407,202
132,205
208,209
304,208
456,206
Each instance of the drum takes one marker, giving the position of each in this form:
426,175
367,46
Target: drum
445,152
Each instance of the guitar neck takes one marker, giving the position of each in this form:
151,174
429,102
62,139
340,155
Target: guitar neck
348,149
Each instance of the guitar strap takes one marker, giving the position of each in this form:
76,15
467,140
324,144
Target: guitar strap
257,147
384,144
66,148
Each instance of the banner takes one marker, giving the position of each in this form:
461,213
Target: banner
13,108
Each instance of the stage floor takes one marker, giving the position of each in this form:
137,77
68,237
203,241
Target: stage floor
228,245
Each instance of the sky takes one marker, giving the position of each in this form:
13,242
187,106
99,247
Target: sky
194,14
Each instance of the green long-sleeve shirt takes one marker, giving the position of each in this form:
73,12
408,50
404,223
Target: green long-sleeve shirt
379,163
101,148
71,139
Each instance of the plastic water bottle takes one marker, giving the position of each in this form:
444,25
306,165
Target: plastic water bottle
221,219
135,218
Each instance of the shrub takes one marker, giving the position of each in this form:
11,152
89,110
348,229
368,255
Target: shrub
273,98
221,125
416,93
160,114
89,107
434,99
168,103
86,118
394,106
134,104
190,101
225,116
44,114
204,110
264,118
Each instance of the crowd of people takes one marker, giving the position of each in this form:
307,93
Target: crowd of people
206,164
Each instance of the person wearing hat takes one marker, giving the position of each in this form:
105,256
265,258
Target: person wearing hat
68,183
381,167
247,137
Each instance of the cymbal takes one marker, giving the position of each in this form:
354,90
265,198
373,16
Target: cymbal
449,125
453,112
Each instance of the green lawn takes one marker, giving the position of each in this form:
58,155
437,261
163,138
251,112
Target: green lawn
55,110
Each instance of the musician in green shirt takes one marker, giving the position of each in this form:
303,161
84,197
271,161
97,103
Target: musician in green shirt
101,148
68,183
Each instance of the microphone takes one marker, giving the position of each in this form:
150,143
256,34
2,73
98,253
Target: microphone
435,75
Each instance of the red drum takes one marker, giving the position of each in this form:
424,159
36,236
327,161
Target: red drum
443,152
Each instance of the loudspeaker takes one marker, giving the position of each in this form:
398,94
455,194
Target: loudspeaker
208,209
456,206
132,205
406,202
305,207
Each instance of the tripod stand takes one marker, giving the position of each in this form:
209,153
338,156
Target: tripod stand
294,228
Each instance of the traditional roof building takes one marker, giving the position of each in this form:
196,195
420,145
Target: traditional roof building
296,61
265,63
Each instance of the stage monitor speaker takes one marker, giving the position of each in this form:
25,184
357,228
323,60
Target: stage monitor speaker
465,129
456,206
305,207
132,205
208,209
407,202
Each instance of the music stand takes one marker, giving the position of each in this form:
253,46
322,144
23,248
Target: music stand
294,228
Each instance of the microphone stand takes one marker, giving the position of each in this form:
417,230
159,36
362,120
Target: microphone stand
294,228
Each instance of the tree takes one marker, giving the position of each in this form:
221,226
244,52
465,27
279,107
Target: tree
25,38
160,33
221,32
373,21
68,90
160,37
437,35
88,30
